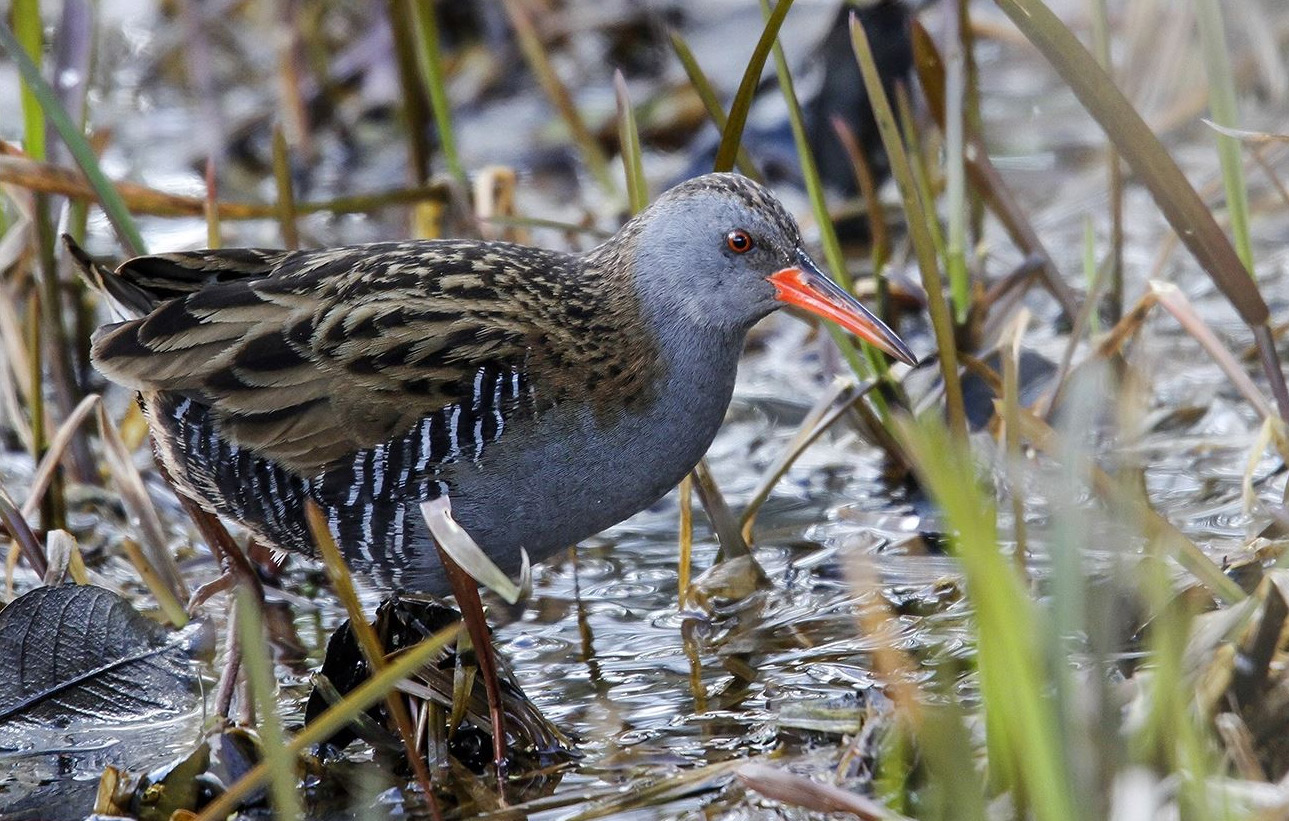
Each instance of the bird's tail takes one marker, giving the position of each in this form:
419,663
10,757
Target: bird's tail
128,300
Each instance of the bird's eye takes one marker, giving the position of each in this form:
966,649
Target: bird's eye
739,241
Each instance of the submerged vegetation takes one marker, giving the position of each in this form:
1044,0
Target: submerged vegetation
1041,575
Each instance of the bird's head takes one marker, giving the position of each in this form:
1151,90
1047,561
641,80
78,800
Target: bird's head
722,252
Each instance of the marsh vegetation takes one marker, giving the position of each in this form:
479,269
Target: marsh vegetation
1041,575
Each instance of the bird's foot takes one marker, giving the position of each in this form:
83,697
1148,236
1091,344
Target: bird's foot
199,596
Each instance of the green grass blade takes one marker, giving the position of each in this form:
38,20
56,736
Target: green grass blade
257,659
26,17
953,786
1014,687
1222,104
1090,270
919,230
430,59
1100,15
732,134
707,94
111,202
629,142
416,105
285,190
918,168
1072,593
955,167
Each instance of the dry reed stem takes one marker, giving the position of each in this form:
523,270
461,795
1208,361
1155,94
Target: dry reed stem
140,199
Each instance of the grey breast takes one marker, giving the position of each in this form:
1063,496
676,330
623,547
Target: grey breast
565,475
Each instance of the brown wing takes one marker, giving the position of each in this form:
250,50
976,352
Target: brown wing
306,357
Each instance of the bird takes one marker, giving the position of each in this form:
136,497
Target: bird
531,397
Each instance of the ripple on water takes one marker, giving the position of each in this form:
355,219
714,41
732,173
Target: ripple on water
617,590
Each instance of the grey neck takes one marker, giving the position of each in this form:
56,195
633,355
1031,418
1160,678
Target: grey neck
700,366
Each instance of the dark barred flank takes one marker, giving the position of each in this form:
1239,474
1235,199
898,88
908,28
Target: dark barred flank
366,499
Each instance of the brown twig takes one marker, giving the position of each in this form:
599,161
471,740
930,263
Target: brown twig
140,199
20,532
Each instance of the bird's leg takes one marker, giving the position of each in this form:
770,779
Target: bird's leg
456,548
199,596
231,558
234,569
466,592
228,554
232,664
232,562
